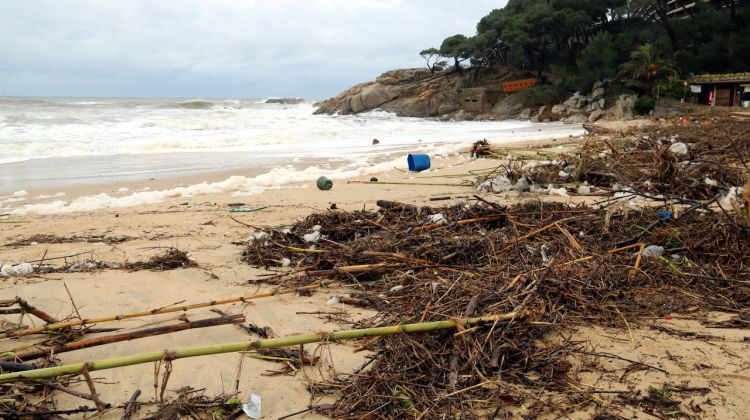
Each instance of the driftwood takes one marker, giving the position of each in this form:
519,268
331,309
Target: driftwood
149,332
170,309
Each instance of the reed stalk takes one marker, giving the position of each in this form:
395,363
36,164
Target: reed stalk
78,322
294,340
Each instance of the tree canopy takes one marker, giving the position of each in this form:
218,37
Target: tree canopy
581,41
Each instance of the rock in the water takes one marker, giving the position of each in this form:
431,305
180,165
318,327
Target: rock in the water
285,101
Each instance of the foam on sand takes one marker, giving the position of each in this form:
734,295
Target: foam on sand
235,185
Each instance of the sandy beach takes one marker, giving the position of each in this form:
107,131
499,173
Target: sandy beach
204,227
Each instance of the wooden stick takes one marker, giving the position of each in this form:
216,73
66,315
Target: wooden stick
293,340
460,222
131,405
66,324
100,405
536,232
77,345
396,256
34,311
351,269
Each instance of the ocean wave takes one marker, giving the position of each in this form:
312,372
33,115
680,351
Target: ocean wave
195,104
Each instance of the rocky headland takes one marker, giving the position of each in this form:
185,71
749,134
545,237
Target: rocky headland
421,93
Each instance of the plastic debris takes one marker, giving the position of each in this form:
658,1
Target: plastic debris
396,288
437,219
654,251
731,198
680,150
286,262
252,408
16,270
334,300
324,183
312,237
584,189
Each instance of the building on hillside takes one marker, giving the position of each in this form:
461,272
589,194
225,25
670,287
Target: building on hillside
722,89
478,99
677,8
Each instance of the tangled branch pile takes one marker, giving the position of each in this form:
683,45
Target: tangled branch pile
555,265
689,158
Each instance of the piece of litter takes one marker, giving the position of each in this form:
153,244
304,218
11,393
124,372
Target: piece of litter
655,251
396,288
312,237
286,262
334,300
252,408
246,209
437,219
679,150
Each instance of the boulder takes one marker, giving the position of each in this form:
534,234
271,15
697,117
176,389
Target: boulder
596,115
538,117
597,93
509,107
598,84
356,104
623,108
558,109
525,114
576,119
447,107
403,76
377,94
602,103
459,115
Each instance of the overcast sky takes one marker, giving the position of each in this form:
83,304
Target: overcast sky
217,48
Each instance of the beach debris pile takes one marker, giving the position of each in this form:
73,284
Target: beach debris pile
688,158
552,265
170,259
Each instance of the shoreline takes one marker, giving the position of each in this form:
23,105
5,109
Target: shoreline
119,191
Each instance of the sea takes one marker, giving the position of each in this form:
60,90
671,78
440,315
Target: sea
50,144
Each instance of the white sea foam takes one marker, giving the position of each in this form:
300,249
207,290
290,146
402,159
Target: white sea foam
112,139
236,185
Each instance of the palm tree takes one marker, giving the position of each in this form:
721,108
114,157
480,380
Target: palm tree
646,64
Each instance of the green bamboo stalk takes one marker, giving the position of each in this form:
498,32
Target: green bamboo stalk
269,343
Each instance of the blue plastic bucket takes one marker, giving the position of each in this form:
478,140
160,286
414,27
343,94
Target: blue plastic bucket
418,163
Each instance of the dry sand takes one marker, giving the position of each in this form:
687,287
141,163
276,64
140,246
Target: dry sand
203,227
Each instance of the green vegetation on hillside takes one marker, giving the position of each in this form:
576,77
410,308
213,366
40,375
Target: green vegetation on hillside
579,42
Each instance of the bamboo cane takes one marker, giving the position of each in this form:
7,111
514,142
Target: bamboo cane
77,322
268,343
83,344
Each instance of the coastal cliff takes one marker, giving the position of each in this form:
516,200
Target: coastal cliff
445,95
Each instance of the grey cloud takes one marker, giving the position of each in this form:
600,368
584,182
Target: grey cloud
217,48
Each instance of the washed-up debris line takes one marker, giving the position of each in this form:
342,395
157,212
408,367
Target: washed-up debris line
55,239
685,158
556,265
